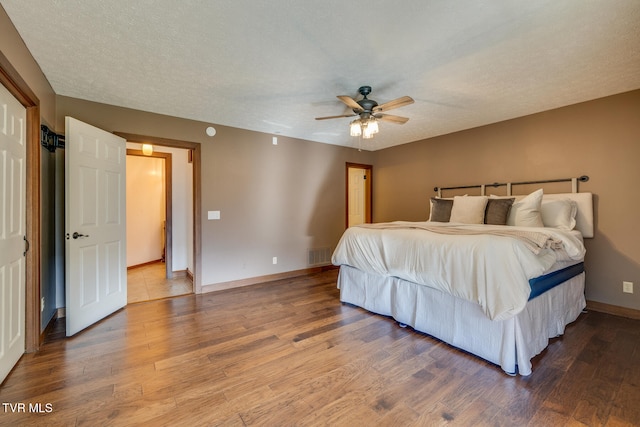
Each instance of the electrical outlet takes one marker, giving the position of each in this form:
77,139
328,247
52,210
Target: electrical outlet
627,287
275,259
41,304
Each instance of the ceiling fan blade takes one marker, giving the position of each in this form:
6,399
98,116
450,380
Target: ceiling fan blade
396,103
351,103
335,117
391,118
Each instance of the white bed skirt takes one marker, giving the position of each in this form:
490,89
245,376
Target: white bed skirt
510,343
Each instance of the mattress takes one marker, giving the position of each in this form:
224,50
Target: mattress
553,278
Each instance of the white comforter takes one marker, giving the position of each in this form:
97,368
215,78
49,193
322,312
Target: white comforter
492,270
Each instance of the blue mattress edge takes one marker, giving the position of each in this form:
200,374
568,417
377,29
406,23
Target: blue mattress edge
542,284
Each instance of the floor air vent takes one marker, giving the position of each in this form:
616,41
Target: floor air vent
319,256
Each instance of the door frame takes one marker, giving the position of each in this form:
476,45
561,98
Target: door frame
19,89
368,191
168,205
195,149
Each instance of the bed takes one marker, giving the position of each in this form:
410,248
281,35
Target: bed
498,287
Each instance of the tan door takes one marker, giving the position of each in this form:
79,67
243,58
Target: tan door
95,202
13,154
357,178
358,194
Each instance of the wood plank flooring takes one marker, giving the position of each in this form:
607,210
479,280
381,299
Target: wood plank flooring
289,353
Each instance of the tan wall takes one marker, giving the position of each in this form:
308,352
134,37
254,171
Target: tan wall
13,48
275,200
600,138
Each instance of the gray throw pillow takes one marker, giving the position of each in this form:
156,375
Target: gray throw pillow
497,211
441,209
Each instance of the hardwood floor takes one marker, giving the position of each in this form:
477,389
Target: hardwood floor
288,353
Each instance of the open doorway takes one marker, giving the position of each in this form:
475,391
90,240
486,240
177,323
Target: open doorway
149,209
159,229
359,187
193,238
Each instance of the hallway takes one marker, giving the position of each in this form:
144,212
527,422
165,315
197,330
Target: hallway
149,282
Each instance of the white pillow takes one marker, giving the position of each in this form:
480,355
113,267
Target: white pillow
468,209
526,212
559,213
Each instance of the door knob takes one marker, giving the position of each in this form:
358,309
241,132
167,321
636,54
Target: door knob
75,235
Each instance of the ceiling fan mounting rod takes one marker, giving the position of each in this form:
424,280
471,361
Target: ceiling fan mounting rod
364,90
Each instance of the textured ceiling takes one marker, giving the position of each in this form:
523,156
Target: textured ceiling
273,66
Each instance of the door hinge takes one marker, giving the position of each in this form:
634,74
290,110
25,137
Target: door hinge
26,246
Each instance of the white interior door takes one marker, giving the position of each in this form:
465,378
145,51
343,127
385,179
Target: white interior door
13,154
95,186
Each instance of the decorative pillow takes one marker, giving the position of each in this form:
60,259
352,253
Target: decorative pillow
526,212
468,209
559,213
440,209
497,211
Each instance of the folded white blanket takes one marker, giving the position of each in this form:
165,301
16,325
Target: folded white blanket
535,240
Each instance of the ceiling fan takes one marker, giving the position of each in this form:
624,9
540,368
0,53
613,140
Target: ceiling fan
369,112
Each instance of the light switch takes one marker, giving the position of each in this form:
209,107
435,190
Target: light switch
213,214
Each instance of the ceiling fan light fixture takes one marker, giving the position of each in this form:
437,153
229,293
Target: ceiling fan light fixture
367,133
355,128
369,127
365,127
372,125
